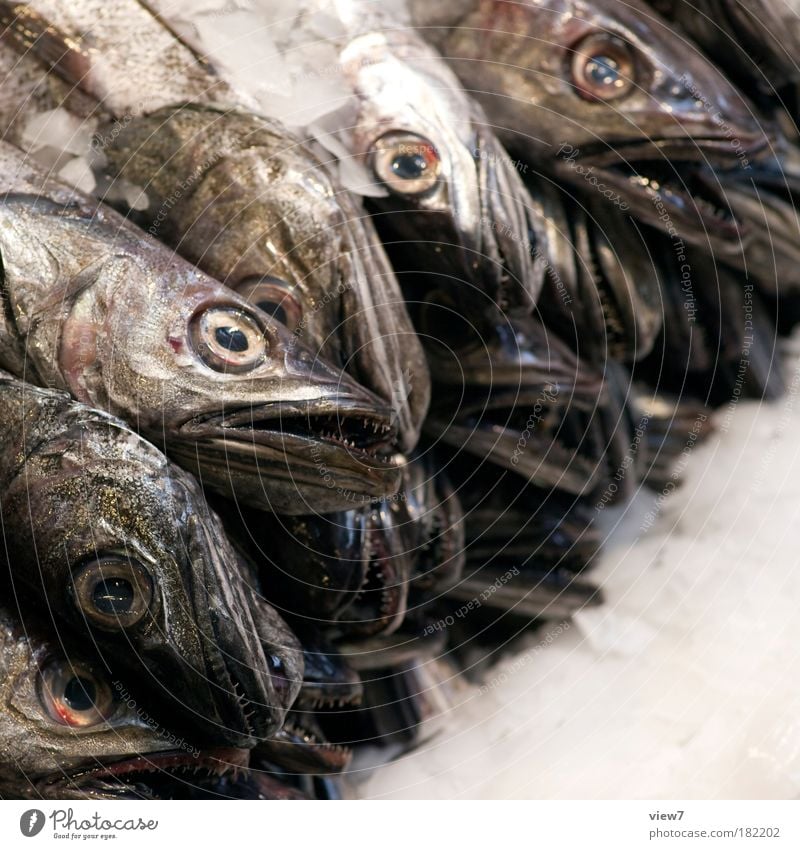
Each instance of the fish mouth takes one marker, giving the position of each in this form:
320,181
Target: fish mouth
560,445
146,776
379,606
332,454
301,746
666,178
343,691
245,698
366,435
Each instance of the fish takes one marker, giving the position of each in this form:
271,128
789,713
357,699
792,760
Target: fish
68,730
522,399
449,203
431,523
329,685
718,340
608,306
766,196
606,98
101,310
753,42
346,571
120,546
263,215
81,43
241,197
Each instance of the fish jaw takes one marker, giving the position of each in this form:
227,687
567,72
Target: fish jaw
319,455
250,654
139,775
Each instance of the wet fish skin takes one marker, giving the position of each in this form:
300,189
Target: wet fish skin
529,63
36,747
88,506
468,217
97,308
257,210
753,41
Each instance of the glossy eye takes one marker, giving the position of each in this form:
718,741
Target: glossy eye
603,67
274,297
228,339
113,592
73,695
405,163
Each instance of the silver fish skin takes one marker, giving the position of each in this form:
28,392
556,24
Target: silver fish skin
444,188
628,133
296,230
96,308
42,739
108,49
262,214
121,546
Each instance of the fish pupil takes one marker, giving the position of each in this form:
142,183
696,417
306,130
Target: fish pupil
409,166
232,339
80,694
603,71
113,596
274,309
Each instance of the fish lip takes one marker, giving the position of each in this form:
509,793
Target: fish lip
716,151
316,753
232,698
215,761
269,424
687,210
544,459
388,573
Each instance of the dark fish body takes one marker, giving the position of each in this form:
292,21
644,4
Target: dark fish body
123,548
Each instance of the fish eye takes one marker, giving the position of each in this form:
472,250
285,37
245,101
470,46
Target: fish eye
407,164
274,297
113,592
228,339
74,695
603,67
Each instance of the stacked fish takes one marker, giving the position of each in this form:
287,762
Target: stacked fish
304,410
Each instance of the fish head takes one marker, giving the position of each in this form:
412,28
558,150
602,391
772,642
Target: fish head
638,104
128,327
227,390
449,202
432,523
69,729
266,216
380,604
523,398
312,567
61,712
130,557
